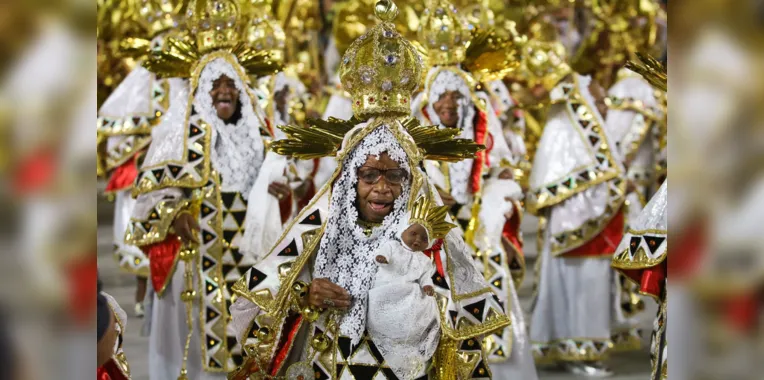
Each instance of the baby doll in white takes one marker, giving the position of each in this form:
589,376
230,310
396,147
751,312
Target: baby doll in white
403,318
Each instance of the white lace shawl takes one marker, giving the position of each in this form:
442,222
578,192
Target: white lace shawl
346,255
459,172
237,150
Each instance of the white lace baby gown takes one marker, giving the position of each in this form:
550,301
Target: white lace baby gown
402,320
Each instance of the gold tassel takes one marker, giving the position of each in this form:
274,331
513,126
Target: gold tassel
444,360
188,254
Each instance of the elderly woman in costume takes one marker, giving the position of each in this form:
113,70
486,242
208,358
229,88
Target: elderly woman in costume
577,190
481,190
193,194
125,121
302,310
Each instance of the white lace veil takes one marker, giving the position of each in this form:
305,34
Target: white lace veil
237,149
346,255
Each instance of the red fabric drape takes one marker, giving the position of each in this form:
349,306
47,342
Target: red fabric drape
481,158
435,250
82,276
651,280
123,176
110,371
292,328
511,230
606,242
161,259
35,172
691,242
743,311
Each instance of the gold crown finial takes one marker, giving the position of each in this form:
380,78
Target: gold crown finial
264,33
445,33
431,216
543,59
381,69
215,24
386,10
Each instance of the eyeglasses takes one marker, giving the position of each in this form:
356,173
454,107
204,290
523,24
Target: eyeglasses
371,175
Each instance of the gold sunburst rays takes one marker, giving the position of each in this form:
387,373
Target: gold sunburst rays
431,216
324,137
651,69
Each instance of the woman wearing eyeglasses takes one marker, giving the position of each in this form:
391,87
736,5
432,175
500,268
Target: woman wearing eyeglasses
301,312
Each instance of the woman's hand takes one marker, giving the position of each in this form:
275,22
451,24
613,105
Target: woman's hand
429,290
186,227
323,293
279,190
448,200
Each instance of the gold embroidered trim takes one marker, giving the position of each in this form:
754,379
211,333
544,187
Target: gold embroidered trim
154,229
640,259
125,150
626,340
572,239
571,349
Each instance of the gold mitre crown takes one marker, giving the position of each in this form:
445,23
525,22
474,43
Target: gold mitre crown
264,33
543,58
444,32
381,69
215,23
157,16
431,216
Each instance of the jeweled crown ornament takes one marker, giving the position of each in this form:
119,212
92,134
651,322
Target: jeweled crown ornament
157,16
445,33
264,33
543,58
215,24
432,217
381,69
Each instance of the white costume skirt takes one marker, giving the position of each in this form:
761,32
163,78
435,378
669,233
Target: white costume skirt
168,336
571,316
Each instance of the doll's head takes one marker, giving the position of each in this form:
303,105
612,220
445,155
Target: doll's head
415,237
426,223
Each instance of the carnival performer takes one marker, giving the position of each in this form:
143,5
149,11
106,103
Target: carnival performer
450,101
283,184
125,122
634,112
577,190
642,257
324,260
193,193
